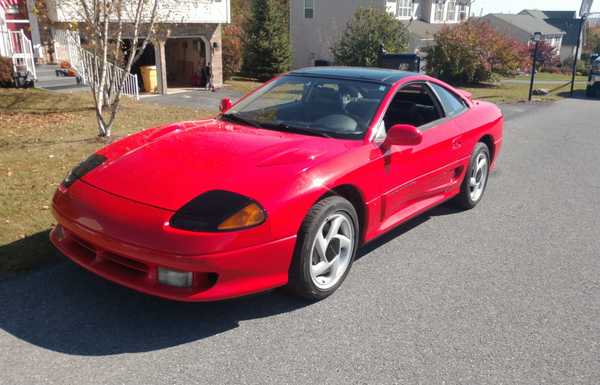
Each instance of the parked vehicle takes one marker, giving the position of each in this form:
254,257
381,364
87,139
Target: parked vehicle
281,188
593,86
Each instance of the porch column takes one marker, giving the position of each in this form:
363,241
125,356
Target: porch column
216,57
161,66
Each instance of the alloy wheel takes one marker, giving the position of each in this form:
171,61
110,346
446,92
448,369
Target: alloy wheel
478,176
332,250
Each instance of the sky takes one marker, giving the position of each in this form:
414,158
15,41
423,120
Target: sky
515,6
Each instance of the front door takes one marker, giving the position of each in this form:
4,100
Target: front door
416,176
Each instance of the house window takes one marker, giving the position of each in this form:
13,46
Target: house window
405,8
439,12
451,11
462,13
309,9
12,9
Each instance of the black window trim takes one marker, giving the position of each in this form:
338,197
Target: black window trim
439,100
439,107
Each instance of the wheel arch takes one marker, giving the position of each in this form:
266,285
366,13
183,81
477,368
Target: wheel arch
355,197
488,140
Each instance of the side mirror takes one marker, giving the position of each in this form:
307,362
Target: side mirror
403,135
225,105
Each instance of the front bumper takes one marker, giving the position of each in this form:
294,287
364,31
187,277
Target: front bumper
594,80
102,244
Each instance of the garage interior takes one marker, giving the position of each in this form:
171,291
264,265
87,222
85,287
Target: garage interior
185,58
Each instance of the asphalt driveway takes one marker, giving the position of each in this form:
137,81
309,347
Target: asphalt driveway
508,293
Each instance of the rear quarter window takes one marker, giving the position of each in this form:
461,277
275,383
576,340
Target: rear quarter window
452,104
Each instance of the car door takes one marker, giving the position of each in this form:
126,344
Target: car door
418,176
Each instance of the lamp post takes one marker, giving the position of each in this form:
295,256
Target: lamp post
574,72
537,37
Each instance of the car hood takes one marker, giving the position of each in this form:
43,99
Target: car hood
169,166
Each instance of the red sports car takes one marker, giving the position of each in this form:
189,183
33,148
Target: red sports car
280,189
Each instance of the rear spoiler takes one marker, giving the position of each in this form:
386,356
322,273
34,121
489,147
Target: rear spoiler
465,94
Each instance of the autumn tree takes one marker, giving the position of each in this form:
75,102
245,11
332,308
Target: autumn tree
234,37
474,52
368,29
547,55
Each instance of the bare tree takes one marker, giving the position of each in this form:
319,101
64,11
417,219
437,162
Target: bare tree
103,24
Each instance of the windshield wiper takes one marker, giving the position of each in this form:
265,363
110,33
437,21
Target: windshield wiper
297,130
238,119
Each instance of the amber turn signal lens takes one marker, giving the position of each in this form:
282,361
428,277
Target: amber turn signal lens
250,215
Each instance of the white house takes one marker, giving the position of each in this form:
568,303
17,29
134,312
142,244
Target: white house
192,41
315,25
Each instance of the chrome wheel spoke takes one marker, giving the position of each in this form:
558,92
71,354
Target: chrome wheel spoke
478,176
345,242
334,228
321,268
321,246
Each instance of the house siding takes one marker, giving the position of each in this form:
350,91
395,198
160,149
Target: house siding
312,39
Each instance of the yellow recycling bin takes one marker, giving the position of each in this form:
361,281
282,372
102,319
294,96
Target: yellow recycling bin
149,78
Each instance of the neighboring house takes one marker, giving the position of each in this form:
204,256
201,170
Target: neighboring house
522,28
567,22
316,25
17,15
192,42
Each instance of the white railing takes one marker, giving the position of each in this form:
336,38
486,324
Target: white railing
16,45
67,46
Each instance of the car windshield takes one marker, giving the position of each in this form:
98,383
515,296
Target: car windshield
311,105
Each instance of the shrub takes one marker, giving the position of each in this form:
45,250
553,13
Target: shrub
267,50
474,52
361,41
6,72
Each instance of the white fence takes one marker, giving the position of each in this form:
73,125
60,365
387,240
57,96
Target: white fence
67,46
16,45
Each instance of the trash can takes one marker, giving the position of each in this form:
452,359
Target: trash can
149,78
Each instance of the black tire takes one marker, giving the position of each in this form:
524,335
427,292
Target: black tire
464,199
300,281
590,92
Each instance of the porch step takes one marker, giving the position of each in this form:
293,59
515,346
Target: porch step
47,79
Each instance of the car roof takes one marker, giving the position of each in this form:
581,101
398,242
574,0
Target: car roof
379,75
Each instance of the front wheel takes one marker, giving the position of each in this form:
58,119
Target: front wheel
476,178
326,247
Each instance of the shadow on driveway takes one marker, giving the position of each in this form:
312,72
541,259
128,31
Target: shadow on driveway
69,310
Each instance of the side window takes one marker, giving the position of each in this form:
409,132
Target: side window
452,104
413,104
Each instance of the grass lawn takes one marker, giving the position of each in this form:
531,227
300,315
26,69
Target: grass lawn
242,85
542,76
42,136
514,93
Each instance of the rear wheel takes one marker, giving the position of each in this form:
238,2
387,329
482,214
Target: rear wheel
476,178
326,247
589,92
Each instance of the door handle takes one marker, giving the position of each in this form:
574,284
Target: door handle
456,144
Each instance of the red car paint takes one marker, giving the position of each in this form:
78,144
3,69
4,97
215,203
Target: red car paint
114,221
